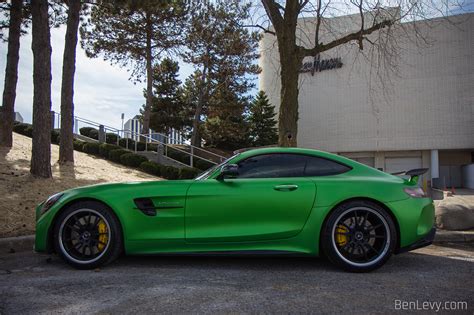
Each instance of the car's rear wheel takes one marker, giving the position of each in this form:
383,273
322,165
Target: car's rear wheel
359,236
87,235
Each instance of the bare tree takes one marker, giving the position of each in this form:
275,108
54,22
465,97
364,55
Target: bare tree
7,110
294,45
41,46
66,149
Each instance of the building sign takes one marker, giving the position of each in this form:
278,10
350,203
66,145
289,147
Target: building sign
318,65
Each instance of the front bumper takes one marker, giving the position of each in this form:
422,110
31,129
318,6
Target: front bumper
425,241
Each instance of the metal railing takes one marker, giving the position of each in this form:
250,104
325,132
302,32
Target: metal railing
169,143
191,153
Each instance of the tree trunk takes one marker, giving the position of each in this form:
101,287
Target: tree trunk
288,115
149,78
7,111
66,149
290,62
41,46
196,137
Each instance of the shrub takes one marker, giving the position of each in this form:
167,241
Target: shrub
115,155
151,168
202,164
55,136
123,143
105,148
21,128
188,173
91,148
29,131
78,145
152,147
111,138
132,159
169,172
178,155
94,134
141,146
85,131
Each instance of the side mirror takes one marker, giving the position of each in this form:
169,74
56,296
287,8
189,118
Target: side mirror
229,170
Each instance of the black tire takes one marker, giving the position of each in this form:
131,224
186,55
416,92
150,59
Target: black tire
359,236
78,238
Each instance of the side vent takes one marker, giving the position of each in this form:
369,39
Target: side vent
146,206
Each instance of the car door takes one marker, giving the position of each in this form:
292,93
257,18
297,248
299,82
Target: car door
270,199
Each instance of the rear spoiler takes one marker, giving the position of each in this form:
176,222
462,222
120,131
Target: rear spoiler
414,174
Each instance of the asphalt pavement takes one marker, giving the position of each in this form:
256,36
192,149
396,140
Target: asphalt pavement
436,277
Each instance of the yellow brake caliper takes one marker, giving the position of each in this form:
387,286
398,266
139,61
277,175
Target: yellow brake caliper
102,228
341,238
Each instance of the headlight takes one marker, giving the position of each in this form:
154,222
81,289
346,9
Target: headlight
415,192
50,202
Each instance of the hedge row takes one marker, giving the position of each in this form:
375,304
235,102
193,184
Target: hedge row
119,155
27,130
168,172
142,146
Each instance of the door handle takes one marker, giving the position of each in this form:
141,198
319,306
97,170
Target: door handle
286,187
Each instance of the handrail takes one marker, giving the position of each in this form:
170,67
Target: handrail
166,145
90,122
152,140
190,145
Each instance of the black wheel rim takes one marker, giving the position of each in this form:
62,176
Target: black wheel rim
361,236
84,235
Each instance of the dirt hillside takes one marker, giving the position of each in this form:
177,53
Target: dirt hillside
20,192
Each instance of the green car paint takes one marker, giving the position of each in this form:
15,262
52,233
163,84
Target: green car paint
210,214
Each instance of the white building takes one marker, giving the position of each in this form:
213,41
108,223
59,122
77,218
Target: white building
133,127
422,116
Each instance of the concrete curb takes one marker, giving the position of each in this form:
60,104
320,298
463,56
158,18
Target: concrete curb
444,236
17,244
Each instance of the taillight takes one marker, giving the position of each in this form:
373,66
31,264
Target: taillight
415,192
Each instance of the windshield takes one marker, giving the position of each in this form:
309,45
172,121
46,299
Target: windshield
206,174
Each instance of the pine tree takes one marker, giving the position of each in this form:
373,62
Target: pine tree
66,149
222,52
134,34
7,110
262,123
41,46
167,110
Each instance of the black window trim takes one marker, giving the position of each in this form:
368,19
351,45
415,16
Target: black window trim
349,168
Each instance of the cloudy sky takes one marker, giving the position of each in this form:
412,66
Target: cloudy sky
102,91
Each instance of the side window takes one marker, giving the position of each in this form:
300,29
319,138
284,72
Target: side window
272,166
288,165
316,166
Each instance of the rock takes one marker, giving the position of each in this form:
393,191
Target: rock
455,213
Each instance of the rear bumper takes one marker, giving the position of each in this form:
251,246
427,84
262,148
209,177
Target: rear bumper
425,241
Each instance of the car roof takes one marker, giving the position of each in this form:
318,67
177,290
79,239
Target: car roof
306,151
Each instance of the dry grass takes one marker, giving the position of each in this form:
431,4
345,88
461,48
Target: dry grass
20,192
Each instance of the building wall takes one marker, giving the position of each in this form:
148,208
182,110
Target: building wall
427,104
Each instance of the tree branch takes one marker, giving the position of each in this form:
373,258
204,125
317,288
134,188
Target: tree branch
265,30
273,11
318,48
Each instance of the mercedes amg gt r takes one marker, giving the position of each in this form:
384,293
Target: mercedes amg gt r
268,200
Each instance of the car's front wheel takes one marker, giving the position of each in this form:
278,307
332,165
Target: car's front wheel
87,235
359,236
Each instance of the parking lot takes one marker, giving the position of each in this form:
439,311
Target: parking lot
31,283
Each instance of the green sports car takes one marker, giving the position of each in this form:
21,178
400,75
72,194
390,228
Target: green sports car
268,200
